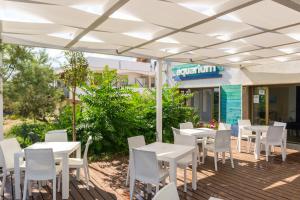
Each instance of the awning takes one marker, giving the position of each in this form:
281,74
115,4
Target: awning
222,32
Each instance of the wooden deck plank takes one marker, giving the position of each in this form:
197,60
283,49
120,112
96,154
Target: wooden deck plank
250,179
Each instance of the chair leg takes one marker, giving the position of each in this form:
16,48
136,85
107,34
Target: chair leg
184,175
88,172
132,182
203,151
86,177
25,188
267,149
3,182
231,158
282,152
59,182
272,148
223,157
29,188
127,177
54,188
12,186
204,155
216,161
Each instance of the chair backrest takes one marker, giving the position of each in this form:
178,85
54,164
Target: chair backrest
280,124
242,124
186,125
274,134
175,131
40,164
222,140
145,166
185,140
224,126
8,149
284,134
86,150
167,192
136,141
56,136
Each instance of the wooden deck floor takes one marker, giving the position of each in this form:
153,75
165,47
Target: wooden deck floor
249,179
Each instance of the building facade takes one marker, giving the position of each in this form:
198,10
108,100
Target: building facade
263,94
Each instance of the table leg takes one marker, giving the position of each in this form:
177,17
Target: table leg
17,177
257,146
172,172
78,155
65,177
239,142
194,169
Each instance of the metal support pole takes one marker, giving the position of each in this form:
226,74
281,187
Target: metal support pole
1,96
159,100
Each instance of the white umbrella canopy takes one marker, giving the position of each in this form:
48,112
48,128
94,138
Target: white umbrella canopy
221,32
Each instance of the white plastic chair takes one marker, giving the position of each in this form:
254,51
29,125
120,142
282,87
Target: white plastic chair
224,126
8,149
167,192
133,142
222,144
274,138
40,166
186,125
146,169
202,141
82,163
56,136
175,131
284,135
188,160
244,134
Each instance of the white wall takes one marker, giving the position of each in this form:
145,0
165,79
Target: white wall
99,63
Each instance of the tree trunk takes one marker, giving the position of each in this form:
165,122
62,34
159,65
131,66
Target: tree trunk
74,114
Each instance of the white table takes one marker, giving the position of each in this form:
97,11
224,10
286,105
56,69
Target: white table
199,132
171,153
258,129
60,149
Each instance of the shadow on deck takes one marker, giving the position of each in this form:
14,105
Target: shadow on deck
250,179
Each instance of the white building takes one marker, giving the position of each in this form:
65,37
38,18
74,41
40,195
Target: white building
137,73
261,93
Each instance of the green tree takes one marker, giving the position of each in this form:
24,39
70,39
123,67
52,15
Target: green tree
74,75
15,57
29,90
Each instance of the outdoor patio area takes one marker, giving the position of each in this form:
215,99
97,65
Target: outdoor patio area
144,99
249,179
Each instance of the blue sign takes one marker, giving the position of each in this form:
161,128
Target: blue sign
231,103
196,71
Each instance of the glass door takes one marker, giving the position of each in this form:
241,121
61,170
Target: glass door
260,110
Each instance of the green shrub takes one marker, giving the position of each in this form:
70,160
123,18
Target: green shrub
111,114
27,133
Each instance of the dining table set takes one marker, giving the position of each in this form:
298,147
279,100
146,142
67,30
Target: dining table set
172,153
61,150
